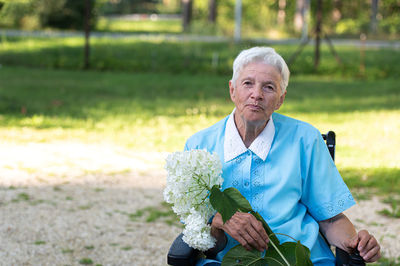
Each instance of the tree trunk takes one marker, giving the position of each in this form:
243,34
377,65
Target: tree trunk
318,33
281,12
374,13
86,64
238,20
186,14
212,11
337,11
304,29
299,15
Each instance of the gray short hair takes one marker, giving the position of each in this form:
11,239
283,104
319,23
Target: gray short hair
265,55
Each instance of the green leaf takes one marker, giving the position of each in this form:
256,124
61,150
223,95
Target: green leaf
287,249
302,255
294,253
228,202
239,256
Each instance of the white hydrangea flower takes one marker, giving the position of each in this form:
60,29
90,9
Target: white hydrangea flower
197,233
191,175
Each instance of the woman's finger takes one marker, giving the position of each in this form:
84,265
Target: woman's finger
244,242
256,239
373,254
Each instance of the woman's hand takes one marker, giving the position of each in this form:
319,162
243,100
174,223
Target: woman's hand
341,233
245,228
366,244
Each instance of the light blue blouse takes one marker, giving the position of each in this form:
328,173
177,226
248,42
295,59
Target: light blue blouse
294,188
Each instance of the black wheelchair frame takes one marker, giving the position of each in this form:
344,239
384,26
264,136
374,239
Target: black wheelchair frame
181,254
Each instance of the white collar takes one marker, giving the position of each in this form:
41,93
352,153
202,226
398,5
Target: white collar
234,146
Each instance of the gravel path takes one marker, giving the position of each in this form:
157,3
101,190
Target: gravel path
64,203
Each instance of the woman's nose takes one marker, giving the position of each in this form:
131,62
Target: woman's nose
257,92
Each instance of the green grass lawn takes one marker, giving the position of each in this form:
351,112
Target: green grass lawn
139,26
158,111
152,95
133,55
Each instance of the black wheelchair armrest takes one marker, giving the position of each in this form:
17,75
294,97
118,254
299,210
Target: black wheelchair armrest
345,259
181,254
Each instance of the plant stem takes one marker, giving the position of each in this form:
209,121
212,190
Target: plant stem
268,230
279,252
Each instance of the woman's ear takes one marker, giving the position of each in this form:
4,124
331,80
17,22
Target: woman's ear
281,100
232,90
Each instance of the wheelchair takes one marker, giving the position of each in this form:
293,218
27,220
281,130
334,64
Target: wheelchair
181,254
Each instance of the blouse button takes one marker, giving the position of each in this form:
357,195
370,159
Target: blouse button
247,184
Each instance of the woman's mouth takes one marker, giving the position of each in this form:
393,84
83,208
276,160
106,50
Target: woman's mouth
254,107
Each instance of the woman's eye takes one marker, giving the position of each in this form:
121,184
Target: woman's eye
269,88
247,83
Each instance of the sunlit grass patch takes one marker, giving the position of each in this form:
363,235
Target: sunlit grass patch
85,207
394,210
364,139
387,261
67,251
86,261
151,214
384,181
139,26
365,194
134,216
159,111
126,248
22,197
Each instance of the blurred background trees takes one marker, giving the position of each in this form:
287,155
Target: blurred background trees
260,18
39,14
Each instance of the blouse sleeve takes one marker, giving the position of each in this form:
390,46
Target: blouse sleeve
324,192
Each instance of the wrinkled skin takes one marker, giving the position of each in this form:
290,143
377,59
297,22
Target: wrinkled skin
245,228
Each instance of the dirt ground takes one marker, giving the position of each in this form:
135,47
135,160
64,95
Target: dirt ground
71,203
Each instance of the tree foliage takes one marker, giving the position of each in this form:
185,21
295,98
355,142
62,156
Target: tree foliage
116,7
62,14
339,17
260,17
32,14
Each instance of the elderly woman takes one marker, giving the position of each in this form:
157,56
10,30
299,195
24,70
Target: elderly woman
281,165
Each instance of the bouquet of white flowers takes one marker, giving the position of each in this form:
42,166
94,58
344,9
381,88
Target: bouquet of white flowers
191,175
193,188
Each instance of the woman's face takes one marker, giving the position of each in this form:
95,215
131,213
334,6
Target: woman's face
257,92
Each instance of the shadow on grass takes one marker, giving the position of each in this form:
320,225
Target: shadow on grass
124,54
